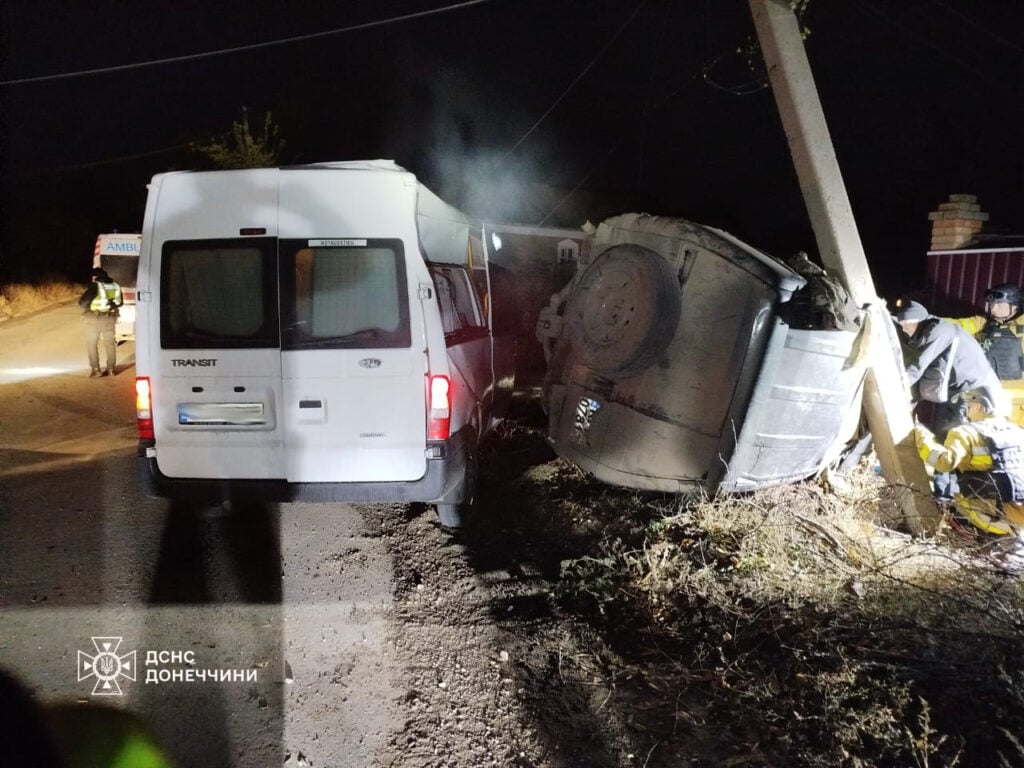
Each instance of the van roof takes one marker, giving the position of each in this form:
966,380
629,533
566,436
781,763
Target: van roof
355,165
435,218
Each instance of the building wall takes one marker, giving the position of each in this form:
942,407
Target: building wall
961,265
957,280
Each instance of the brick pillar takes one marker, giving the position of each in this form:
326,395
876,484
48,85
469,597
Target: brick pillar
956,222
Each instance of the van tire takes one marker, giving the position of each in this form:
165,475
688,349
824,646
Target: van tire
457,514
625,311
450,515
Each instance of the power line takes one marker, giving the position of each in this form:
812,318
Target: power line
251,47
571,85
612,148
754,85
980,27
96,163
586,177
939,52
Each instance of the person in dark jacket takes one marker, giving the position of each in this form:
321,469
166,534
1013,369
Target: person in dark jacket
1000,331
943,360
100,303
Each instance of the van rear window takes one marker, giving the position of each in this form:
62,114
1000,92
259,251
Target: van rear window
121,268
218,294
351,296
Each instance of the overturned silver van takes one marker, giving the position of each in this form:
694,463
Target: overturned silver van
681,359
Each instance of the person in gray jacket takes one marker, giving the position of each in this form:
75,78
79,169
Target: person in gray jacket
942,361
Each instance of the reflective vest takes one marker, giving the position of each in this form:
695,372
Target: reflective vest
1005,443
1002,345
107,298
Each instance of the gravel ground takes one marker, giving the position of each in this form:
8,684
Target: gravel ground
491,672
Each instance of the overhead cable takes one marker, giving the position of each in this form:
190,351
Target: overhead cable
571,85
241,48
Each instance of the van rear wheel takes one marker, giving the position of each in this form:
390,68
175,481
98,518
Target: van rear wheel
451,515
457,514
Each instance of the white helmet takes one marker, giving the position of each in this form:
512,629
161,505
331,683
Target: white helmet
981,396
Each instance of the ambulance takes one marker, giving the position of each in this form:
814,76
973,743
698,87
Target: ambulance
315,333
118,254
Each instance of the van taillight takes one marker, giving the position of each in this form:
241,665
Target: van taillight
439,421
144,407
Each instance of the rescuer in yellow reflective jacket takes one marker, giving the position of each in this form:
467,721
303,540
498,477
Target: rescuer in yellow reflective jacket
100,303
987,453
1000,331
72,734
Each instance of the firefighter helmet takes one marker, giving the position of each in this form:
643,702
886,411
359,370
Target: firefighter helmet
1004,292
981,396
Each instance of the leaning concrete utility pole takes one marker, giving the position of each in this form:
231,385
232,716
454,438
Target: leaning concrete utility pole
886,396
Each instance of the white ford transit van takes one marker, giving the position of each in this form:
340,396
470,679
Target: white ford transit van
314,333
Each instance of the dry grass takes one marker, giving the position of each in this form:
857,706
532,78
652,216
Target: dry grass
18,299
804,546
820,546
833,638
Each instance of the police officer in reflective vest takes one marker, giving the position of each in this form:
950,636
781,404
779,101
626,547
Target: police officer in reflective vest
987,453
100,302
1000,331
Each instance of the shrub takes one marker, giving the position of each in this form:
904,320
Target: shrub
17,299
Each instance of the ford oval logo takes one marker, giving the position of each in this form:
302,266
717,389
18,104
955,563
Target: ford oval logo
370,362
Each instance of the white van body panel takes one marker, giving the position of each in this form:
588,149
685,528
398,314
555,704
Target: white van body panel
355,415
197,206
334,396
201,207
347,423
250,446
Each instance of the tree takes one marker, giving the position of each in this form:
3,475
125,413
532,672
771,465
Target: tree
240,149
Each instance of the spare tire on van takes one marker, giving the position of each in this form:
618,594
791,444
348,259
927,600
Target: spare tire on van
624,310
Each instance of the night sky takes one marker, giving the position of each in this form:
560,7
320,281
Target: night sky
634,105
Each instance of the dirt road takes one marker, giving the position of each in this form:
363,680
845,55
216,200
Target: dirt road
292,634
288,608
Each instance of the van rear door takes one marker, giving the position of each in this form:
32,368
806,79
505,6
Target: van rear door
353,349
216,397
215,361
